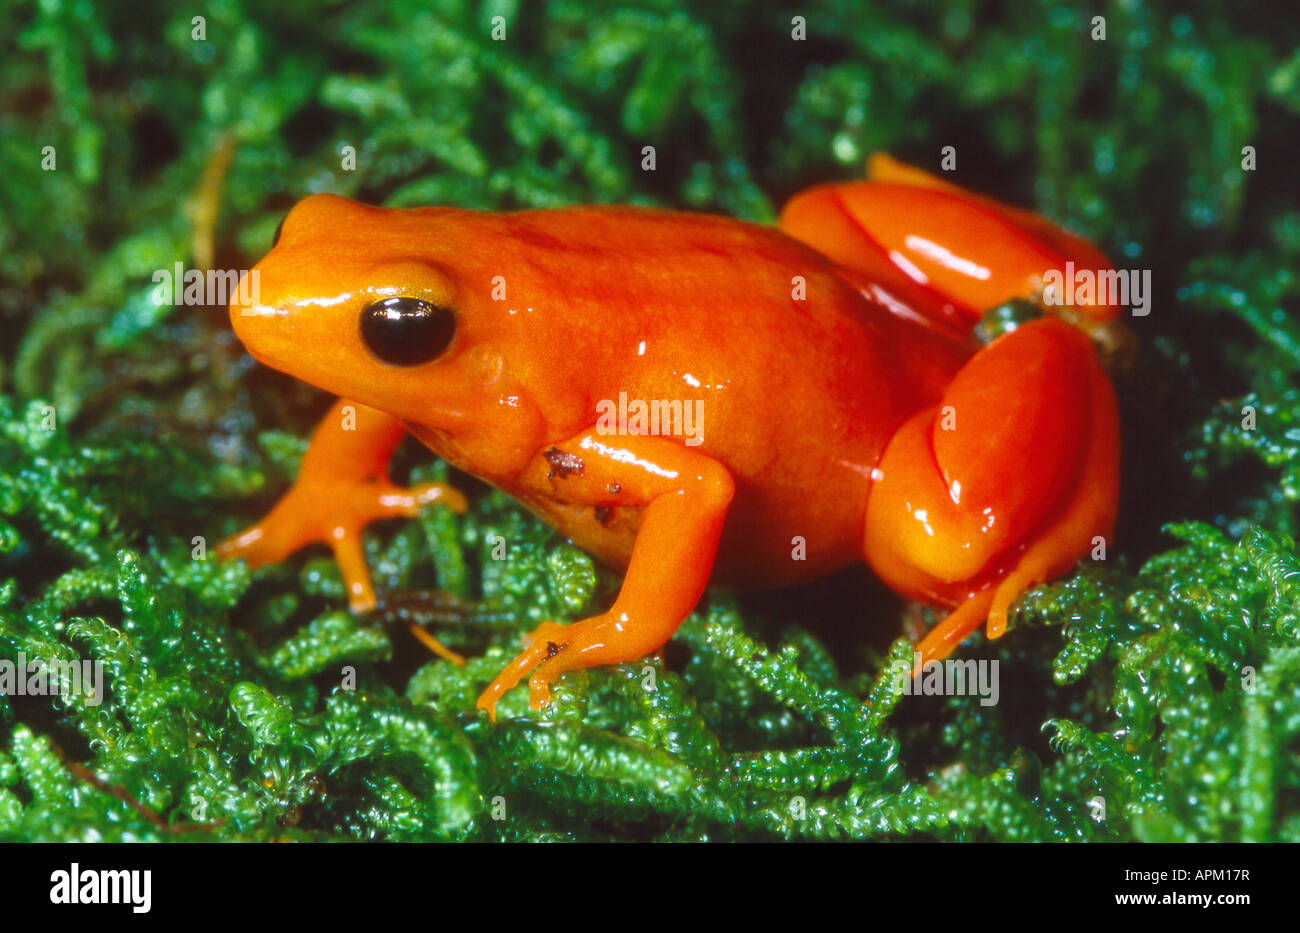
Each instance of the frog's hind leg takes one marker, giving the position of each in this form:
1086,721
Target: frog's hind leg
342,486
1003,484
949,254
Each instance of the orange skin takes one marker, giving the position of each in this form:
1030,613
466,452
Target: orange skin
846,412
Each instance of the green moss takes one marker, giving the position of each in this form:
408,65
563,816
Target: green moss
1162,684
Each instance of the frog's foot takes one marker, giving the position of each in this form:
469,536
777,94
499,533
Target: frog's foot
1047,556
342,486
539,644
552,649
334,512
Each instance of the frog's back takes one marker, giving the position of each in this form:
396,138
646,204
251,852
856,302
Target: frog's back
795,378
679,305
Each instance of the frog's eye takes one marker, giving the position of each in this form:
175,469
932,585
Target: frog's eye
407,331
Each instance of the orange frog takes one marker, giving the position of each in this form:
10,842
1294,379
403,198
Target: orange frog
840,408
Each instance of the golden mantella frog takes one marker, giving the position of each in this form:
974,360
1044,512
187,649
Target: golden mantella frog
841,409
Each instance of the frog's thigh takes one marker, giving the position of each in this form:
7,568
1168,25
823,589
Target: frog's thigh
684,497
1008,478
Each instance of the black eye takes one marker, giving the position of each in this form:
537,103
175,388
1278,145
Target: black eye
278,230
407,331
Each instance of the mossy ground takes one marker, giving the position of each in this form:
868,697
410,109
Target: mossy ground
1164,681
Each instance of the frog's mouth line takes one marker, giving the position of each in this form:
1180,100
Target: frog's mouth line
443,445
440,442
430,437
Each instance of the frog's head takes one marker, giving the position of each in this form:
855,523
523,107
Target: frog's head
373,304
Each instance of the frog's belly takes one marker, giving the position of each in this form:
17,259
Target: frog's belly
797,514
772,537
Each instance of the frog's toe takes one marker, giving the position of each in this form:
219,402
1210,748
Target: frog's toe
396,500
541,643
941,640
247,545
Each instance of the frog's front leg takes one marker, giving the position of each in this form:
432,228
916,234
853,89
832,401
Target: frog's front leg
1005,483
342,486
684,497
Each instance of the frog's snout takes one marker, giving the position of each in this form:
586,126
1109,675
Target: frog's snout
265,328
